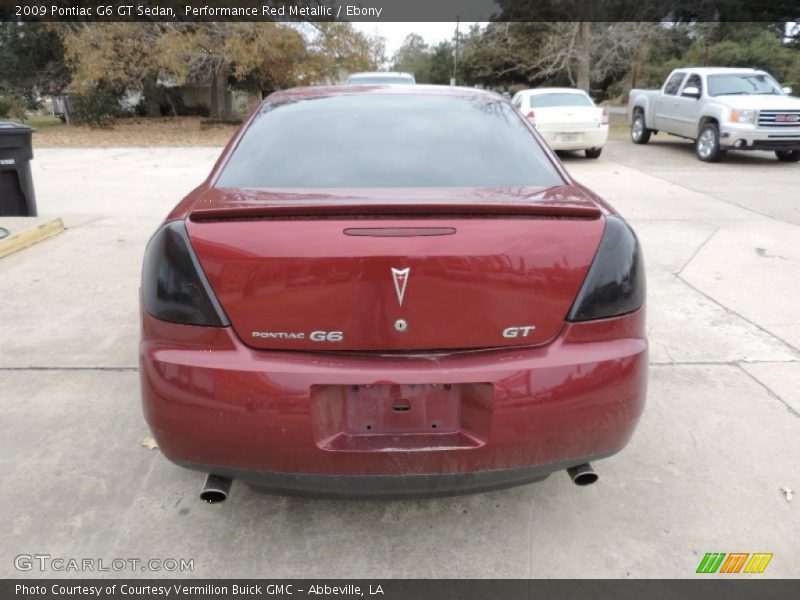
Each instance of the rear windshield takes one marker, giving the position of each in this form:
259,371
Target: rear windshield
565,99
367,80
403,140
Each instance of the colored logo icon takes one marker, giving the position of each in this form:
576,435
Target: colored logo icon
735,562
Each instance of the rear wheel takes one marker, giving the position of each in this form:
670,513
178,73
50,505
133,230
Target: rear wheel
640,134
788,155
593,152
707,144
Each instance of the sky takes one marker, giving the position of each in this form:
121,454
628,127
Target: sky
395,33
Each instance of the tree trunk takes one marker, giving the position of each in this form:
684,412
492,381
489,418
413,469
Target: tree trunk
219,92
152,98
583,55
640,54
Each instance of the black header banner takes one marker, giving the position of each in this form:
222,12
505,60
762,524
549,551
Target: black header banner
381,11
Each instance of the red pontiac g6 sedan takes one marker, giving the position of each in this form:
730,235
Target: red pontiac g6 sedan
391,291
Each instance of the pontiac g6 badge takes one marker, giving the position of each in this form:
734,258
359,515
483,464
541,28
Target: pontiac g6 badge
400,277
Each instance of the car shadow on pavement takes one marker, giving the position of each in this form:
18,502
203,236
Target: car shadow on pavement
680,147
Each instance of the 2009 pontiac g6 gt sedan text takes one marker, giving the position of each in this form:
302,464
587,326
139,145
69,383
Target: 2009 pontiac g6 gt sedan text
391,291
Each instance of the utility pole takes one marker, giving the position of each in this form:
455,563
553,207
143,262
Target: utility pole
453,79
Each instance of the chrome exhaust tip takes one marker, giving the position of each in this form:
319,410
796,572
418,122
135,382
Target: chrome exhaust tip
216,489
582,474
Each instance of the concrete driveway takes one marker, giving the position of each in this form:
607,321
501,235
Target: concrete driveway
719,440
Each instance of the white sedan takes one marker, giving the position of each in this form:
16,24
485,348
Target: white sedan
567,118
381,78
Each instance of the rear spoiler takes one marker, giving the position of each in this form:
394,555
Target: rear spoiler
357,211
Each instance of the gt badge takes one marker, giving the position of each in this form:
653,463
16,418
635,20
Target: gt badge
522,331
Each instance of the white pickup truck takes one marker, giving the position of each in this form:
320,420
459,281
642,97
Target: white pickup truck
721,109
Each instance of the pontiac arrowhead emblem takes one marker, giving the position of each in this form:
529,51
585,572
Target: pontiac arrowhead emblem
400,277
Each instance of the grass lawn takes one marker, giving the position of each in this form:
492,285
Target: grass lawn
170,131
41,122
618,128
132,132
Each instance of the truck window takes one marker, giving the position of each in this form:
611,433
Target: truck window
743,83
694,80
674,83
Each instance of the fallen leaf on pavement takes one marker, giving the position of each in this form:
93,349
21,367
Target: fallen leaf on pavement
149,442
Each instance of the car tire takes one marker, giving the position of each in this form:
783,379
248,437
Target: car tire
640,134
593,152
707,145
788,155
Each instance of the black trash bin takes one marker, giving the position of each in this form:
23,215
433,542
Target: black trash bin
16,183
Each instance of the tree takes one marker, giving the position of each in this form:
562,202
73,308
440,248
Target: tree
413,57
440,66
579,54
259,56
484,57
427,64
265,56
33,65
756,45
336,49
120,56
139,55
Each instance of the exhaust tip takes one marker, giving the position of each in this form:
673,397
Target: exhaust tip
216,489
582,474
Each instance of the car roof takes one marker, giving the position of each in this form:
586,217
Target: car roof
719,70
302,93
554,90
386,74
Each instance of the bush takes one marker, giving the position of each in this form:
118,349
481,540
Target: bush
174,104
795,85
5,108
140,110
97,108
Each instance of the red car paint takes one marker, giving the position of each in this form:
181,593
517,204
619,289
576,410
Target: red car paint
481,260
510,271
212,400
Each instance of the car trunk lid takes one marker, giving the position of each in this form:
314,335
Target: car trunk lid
392,270
569,118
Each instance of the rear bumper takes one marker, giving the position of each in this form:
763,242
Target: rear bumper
585,139
387,486
218,406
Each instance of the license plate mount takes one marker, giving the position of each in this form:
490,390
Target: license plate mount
401,417
402,408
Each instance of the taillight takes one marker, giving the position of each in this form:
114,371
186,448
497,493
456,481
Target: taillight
604,120
174,287
531,116
615,284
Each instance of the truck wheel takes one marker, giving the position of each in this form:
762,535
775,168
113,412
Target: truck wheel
707,144
640,134
593,152
788,155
